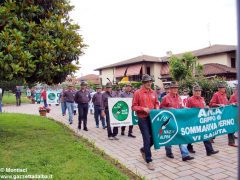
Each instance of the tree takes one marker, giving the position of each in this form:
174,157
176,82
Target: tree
185,66
38,41
188,73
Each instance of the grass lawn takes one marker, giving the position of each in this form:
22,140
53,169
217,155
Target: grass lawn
46,147
10,98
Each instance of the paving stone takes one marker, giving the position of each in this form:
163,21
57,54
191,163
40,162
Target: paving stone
218,176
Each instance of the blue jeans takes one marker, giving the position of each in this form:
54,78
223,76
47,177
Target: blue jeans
146,131
0,105
183,149
97,114
70,108
64,107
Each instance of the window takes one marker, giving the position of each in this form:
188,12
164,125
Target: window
148,71
233,63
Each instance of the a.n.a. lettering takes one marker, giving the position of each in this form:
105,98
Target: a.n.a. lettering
209,112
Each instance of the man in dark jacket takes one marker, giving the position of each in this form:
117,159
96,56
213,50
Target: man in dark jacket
18,96
68,96
105,111
96,100
82,98
127,94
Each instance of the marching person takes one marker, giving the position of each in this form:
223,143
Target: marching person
158,92
196,101
68,96
18,94
234,100
173,100
96,100
105,111
82,98
63,103
1,96
234,97
166,88
144,100
219,99
44,97
127,94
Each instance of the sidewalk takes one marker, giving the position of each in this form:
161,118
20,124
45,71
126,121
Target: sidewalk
126,150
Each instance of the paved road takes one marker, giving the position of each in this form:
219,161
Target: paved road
220,166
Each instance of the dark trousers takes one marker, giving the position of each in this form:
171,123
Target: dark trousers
82,114
207,144
231,139
18,101
97,114
130,130
109,129
146,131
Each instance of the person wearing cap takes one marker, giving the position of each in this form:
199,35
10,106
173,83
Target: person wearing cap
234,100
127,94
158,92
166,88
63,102
144,100
196,101
82,98
105,111
96,99
219,99
234,97
173,100
68,96
185,96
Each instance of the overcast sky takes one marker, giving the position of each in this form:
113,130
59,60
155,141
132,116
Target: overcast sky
116,30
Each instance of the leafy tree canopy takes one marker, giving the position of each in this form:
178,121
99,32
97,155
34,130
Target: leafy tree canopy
38,41
184,66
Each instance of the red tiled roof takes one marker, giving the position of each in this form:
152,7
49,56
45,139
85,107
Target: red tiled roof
93,78
138,59
208,70
215,69
214,49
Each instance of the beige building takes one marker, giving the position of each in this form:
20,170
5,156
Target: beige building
217,60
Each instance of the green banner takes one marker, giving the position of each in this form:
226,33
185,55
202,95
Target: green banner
183,126
134,118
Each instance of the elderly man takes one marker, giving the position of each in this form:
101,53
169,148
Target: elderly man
105,111
144,100
127,94
97,98
68,96
196,101
173,100
219,99
82,98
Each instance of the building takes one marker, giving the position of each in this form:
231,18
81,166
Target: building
91,78
217,60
